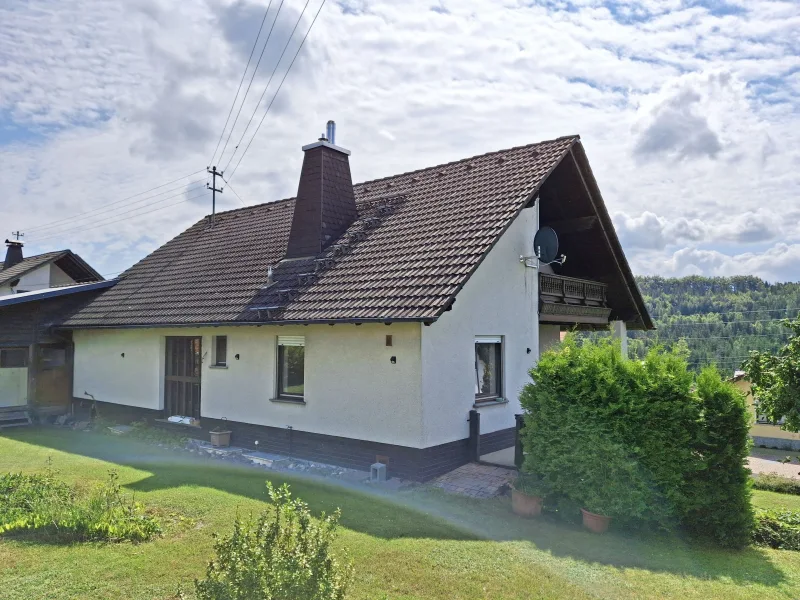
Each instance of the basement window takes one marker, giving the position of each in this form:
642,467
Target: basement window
13,358
220,350
291,367
488,368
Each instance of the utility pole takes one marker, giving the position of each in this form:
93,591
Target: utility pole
214,190
17,234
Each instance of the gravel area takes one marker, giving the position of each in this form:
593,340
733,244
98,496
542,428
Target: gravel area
761,465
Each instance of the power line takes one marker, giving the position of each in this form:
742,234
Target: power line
250,83
732,312
98,211
266,87
55,233
244,74
698,323
142,193
732,337
277,91
234,191
128,218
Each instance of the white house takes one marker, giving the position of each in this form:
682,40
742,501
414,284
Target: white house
362,322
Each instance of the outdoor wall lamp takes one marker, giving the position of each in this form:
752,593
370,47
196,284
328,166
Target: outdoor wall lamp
393,360
122,355
237,357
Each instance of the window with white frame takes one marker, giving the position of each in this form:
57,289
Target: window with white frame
488,368
291,367
220,350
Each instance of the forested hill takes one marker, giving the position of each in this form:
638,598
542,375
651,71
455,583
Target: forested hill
721,318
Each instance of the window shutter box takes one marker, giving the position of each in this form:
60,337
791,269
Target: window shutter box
488,339
291,340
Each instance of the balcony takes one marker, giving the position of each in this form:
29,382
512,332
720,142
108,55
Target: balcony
567,300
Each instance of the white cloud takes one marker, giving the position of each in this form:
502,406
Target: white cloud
777,263
690,118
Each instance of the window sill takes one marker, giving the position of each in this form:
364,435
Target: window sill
490,402
217,366
288,400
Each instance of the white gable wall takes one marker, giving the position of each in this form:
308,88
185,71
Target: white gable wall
499,299
38,279
351,387
59,277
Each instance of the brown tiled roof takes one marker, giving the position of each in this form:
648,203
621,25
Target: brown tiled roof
418,238
67,260
27,264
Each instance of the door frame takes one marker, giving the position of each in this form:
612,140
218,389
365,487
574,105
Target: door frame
183,355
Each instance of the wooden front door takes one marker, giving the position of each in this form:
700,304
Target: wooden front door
182,377
52,376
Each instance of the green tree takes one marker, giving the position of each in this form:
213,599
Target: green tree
775,380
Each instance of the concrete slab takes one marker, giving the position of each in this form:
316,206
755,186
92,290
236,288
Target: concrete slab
504,457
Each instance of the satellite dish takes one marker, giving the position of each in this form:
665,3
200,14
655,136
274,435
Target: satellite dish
545,244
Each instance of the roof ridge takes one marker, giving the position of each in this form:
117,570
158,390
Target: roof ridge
469,158
406,173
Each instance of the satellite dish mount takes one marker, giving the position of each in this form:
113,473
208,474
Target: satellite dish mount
545,249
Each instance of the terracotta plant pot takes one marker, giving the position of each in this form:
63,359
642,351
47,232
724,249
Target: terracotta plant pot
524,505
220,439
594,522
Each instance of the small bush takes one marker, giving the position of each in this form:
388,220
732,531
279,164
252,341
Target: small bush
777,529
41,505
772,482
285,555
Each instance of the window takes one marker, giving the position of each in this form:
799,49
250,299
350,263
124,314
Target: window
291,366
220,350
13,358
488,368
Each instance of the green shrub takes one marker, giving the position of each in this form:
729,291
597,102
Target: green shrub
718,494
777,529
633,439
772,482
532,485
285,555
41,505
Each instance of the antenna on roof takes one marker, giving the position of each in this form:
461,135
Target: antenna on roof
17,234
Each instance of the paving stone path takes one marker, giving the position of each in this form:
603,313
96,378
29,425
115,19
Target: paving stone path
476,480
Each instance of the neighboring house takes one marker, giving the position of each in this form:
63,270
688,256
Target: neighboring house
36,361
762,431
43,271
365,322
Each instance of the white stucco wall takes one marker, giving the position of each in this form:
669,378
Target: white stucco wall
38,279
499,299
549,336
351,387
13,387
59,277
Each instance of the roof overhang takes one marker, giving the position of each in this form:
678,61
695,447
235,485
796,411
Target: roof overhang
38,295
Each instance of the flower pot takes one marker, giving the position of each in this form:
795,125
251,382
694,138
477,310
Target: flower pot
594,522
524,505
221,439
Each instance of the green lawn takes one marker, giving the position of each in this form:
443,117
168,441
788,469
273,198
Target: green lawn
411,545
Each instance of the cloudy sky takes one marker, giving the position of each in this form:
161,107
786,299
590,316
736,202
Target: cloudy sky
689,112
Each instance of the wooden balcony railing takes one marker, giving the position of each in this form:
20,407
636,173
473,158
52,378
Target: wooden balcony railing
570,300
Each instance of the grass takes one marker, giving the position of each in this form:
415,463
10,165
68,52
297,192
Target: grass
411,545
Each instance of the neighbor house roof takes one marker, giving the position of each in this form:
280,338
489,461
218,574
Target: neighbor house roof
417,239
54,292
69,262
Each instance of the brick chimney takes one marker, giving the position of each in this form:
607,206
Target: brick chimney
326,204
13,254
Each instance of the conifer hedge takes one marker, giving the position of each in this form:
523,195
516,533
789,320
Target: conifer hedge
640,440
